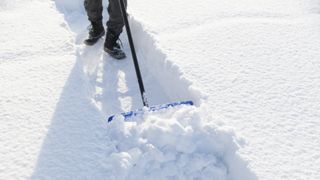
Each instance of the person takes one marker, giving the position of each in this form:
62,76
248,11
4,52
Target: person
115,25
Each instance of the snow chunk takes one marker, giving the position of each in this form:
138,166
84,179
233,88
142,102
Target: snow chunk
176,143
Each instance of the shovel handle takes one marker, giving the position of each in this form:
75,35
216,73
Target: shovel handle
133,53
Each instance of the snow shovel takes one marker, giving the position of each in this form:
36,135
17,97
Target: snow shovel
130,114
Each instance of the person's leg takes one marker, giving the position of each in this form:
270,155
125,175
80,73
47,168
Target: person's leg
114,28
94,10
115,22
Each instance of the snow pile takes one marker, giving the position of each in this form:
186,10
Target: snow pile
177,143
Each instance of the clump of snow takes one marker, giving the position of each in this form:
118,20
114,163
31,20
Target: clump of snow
177,143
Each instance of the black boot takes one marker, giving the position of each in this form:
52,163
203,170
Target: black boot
95,33
112,47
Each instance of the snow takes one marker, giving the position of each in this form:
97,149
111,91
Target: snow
258,62
34,66
251,67
174,144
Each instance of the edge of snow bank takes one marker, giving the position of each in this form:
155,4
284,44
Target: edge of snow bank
157,63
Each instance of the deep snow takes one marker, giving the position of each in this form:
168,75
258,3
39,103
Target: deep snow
250,65
259,63
57,93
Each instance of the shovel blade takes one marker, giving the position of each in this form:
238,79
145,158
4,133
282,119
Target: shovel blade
130,114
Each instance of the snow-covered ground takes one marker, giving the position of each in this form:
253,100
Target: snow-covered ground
259,63
252,65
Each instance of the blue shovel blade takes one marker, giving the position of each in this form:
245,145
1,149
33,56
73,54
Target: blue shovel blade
130,114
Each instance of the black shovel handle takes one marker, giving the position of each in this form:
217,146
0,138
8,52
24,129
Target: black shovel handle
133,52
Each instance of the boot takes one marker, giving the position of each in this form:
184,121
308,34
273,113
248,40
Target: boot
96,31
112,46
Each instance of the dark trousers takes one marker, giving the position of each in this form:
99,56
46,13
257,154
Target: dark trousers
94,10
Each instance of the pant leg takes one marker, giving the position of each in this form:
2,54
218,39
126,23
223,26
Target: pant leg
115,23
94,10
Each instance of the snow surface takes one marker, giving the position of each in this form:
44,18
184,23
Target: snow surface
56,94
249,65
259,63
